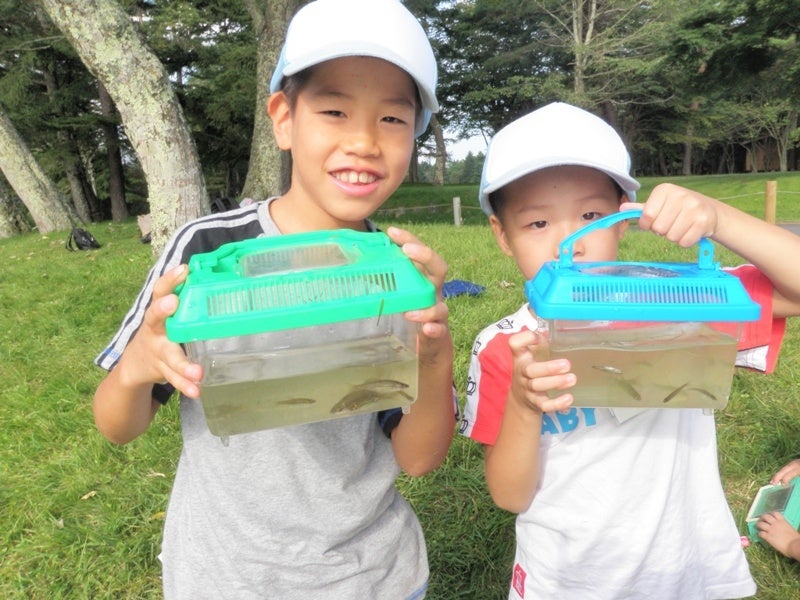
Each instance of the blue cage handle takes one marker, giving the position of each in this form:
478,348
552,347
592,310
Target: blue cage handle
705,258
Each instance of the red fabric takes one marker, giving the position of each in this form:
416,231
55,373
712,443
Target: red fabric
495,380
767,331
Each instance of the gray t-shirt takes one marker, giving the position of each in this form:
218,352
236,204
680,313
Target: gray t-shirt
307,511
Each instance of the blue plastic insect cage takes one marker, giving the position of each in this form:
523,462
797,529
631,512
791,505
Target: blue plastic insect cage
637,291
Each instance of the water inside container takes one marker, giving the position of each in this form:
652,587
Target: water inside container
669,366
243,394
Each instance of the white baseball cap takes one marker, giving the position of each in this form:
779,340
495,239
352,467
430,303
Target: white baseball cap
328,29
554,135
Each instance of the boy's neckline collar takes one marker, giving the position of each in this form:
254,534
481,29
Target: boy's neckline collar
266,217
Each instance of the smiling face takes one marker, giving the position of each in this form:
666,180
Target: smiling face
351,135
539,210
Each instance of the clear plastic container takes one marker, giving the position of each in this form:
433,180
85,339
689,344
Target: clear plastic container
647,335
646,365
301,328
781,498
310,374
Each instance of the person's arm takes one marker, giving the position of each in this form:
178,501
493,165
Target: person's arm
786,473
421,439
124,405
793,550
684,216
512,462
776,531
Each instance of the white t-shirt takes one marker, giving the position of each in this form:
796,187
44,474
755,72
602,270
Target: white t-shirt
307,511
628,505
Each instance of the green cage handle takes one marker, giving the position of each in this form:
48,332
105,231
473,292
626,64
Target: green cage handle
705,258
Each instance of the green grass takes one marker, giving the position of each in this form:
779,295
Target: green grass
81,518
429,204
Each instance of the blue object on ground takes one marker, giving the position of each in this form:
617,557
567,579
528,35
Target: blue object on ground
457,287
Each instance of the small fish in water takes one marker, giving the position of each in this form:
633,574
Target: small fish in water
382,386
629,389
295,401
674,392
622,383
356,399
705,393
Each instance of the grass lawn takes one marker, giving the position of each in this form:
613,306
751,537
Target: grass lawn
81,518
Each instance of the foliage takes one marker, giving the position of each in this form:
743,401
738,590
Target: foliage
494,66
465,171
47,91
210,48
700,86
730,62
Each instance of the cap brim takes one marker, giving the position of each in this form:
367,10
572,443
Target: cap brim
628,184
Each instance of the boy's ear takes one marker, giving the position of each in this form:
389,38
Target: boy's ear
623,227
500,235
280,111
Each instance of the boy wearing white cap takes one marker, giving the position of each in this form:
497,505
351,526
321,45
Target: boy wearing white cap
611,504
309,511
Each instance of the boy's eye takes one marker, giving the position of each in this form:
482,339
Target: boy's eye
333,112
538,225
592,216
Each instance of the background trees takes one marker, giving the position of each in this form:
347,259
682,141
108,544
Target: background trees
132,106
104,37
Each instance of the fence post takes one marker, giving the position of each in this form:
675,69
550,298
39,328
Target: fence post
457,211
770,201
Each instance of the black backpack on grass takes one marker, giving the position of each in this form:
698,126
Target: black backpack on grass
80,239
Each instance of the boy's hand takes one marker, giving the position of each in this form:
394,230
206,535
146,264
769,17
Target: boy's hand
421,440
532,379
678,214
433,320
151,357
787,473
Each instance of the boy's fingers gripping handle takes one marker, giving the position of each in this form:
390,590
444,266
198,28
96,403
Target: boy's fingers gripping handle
705,259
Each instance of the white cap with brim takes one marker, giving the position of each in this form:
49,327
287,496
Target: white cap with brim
555,135
328,29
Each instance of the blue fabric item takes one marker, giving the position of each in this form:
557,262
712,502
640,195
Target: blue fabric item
389,419
456,287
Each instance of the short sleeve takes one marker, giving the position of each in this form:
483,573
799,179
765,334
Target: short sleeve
760,342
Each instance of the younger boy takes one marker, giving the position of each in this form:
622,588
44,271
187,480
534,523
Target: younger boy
309,511
611,504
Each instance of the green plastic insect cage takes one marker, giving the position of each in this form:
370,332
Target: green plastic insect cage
781,498
641,334
300,328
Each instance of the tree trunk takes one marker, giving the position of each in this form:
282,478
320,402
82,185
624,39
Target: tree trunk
662,163
116,174
688,143
269,171
412,174
441,152
108,44
76,189
784,138
754,157
12,213
584,13
686,165
48,208
70,159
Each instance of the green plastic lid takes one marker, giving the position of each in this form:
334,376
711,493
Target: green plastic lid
297,280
